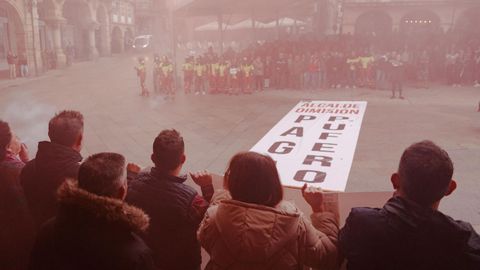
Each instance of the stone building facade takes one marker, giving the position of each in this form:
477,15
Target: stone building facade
383,16
92,28
19,33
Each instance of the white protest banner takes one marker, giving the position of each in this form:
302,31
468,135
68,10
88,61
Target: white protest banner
315,142
339,203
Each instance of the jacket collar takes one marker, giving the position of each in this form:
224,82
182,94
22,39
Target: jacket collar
104,209
408,211
417,217
161,175
56,154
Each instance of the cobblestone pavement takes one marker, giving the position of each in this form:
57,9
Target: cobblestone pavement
216,127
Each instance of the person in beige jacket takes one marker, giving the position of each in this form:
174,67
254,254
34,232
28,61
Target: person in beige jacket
249,226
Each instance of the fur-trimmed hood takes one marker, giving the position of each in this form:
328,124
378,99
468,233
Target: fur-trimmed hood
105,209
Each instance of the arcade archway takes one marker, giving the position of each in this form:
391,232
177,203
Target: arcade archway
373,23
419,27
12,34
375,28
128,39
117,40
76,30
467,27
101,32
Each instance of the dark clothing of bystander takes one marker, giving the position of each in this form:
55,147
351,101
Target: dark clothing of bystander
175,211
396,75
42,176
16,226
281,73
12,59
92,232
404,235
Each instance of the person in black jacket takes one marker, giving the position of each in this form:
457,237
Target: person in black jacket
55,161
409,232
94,228
175,209
16,226
397,71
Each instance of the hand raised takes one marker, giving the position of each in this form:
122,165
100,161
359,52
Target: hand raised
314,197
202,178
24,155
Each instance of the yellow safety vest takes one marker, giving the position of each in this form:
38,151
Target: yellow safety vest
188,66
221,70
247,70
199,69
214,68
166,69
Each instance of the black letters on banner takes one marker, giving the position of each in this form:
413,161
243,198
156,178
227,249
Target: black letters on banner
305,117
335,118
297,131
286,149
329,127
323,147
324,160
326,135
301,176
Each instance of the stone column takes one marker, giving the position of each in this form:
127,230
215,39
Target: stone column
397,20
32,35
92,48
220,31
324,17
105,39
56,27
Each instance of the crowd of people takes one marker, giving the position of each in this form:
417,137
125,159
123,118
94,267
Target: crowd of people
58,212
19,67
339,62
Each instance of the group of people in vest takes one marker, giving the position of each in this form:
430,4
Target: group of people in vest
163,82
163,76
212,74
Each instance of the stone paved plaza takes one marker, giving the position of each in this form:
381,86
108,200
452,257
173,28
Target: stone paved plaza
216,127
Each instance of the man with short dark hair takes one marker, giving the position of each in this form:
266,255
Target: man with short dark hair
175,209
409,232
94,228
55,161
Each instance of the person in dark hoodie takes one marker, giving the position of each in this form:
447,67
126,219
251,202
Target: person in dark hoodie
55,161
16,230
409,232
94,228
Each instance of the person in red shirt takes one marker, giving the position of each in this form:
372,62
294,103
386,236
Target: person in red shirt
12,60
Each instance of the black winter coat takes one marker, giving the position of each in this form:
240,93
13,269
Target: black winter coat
403,235
172,235
92,232
42,176
16,225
